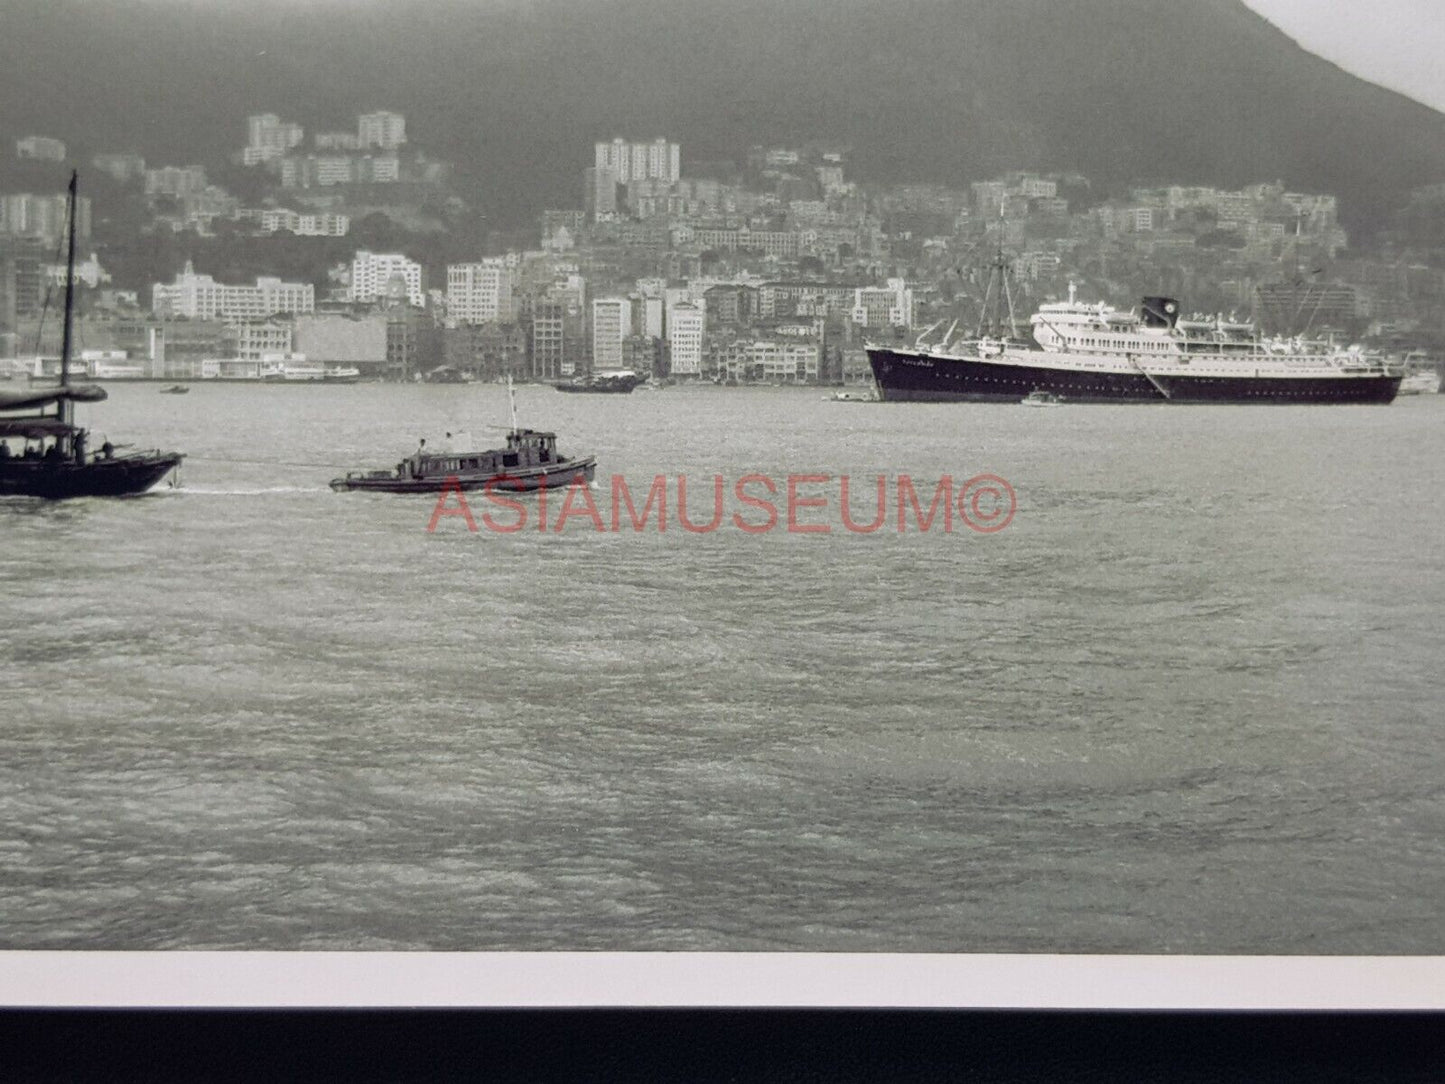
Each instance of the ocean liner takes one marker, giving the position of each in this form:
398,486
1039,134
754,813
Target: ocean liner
1093,353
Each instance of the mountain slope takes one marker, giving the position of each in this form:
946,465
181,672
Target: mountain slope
946,90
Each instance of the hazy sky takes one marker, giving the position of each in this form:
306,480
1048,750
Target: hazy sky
1399,44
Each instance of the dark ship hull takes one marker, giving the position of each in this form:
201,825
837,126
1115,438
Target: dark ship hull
920,377
608,386
122,476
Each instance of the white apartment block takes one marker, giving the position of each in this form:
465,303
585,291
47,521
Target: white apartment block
884,306
685,325
175,181
87,273
272,220
124,166
611,324
375,275
382,129
43,217
326,170
42,147
260,340
337,141
1141,219
657,160
1037,187
268,138
200,297
774,360
479,293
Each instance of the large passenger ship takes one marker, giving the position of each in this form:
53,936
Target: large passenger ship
1094,353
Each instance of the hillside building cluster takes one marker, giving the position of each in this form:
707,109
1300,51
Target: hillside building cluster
776,268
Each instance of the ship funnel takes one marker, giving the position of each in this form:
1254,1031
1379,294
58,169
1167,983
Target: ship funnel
1160,312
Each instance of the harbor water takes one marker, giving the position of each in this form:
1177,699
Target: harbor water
1187,701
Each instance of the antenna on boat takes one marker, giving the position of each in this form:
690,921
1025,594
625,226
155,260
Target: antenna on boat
512,399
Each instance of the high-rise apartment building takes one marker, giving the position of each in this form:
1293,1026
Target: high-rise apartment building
268,137
381,129
175,181
657,160
479,292
41,217
611,325
599,192
547,340
385,275
685,324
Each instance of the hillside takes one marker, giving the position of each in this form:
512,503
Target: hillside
942,90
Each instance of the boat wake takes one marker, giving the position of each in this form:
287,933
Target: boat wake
250,491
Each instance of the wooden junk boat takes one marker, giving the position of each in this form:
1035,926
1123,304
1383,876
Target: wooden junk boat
52,459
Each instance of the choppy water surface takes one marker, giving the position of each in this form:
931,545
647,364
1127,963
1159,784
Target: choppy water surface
1189,700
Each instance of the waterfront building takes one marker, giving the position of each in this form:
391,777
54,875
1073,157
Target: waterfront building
773,359
489,350
479,292
685,326
200,297
547,340
344,340
611,325
649,315
256,340
377,276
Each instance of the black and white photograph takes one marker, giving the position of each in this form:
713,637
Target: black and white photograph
887,477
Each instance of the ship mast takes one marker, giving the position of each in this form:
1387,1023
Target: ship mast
1004,297
64,407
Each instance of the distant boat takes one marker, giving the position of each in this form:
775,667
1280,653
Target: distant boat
175,389
341,374
851,397
447,374
529,462
618,383
54,461
1040,398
